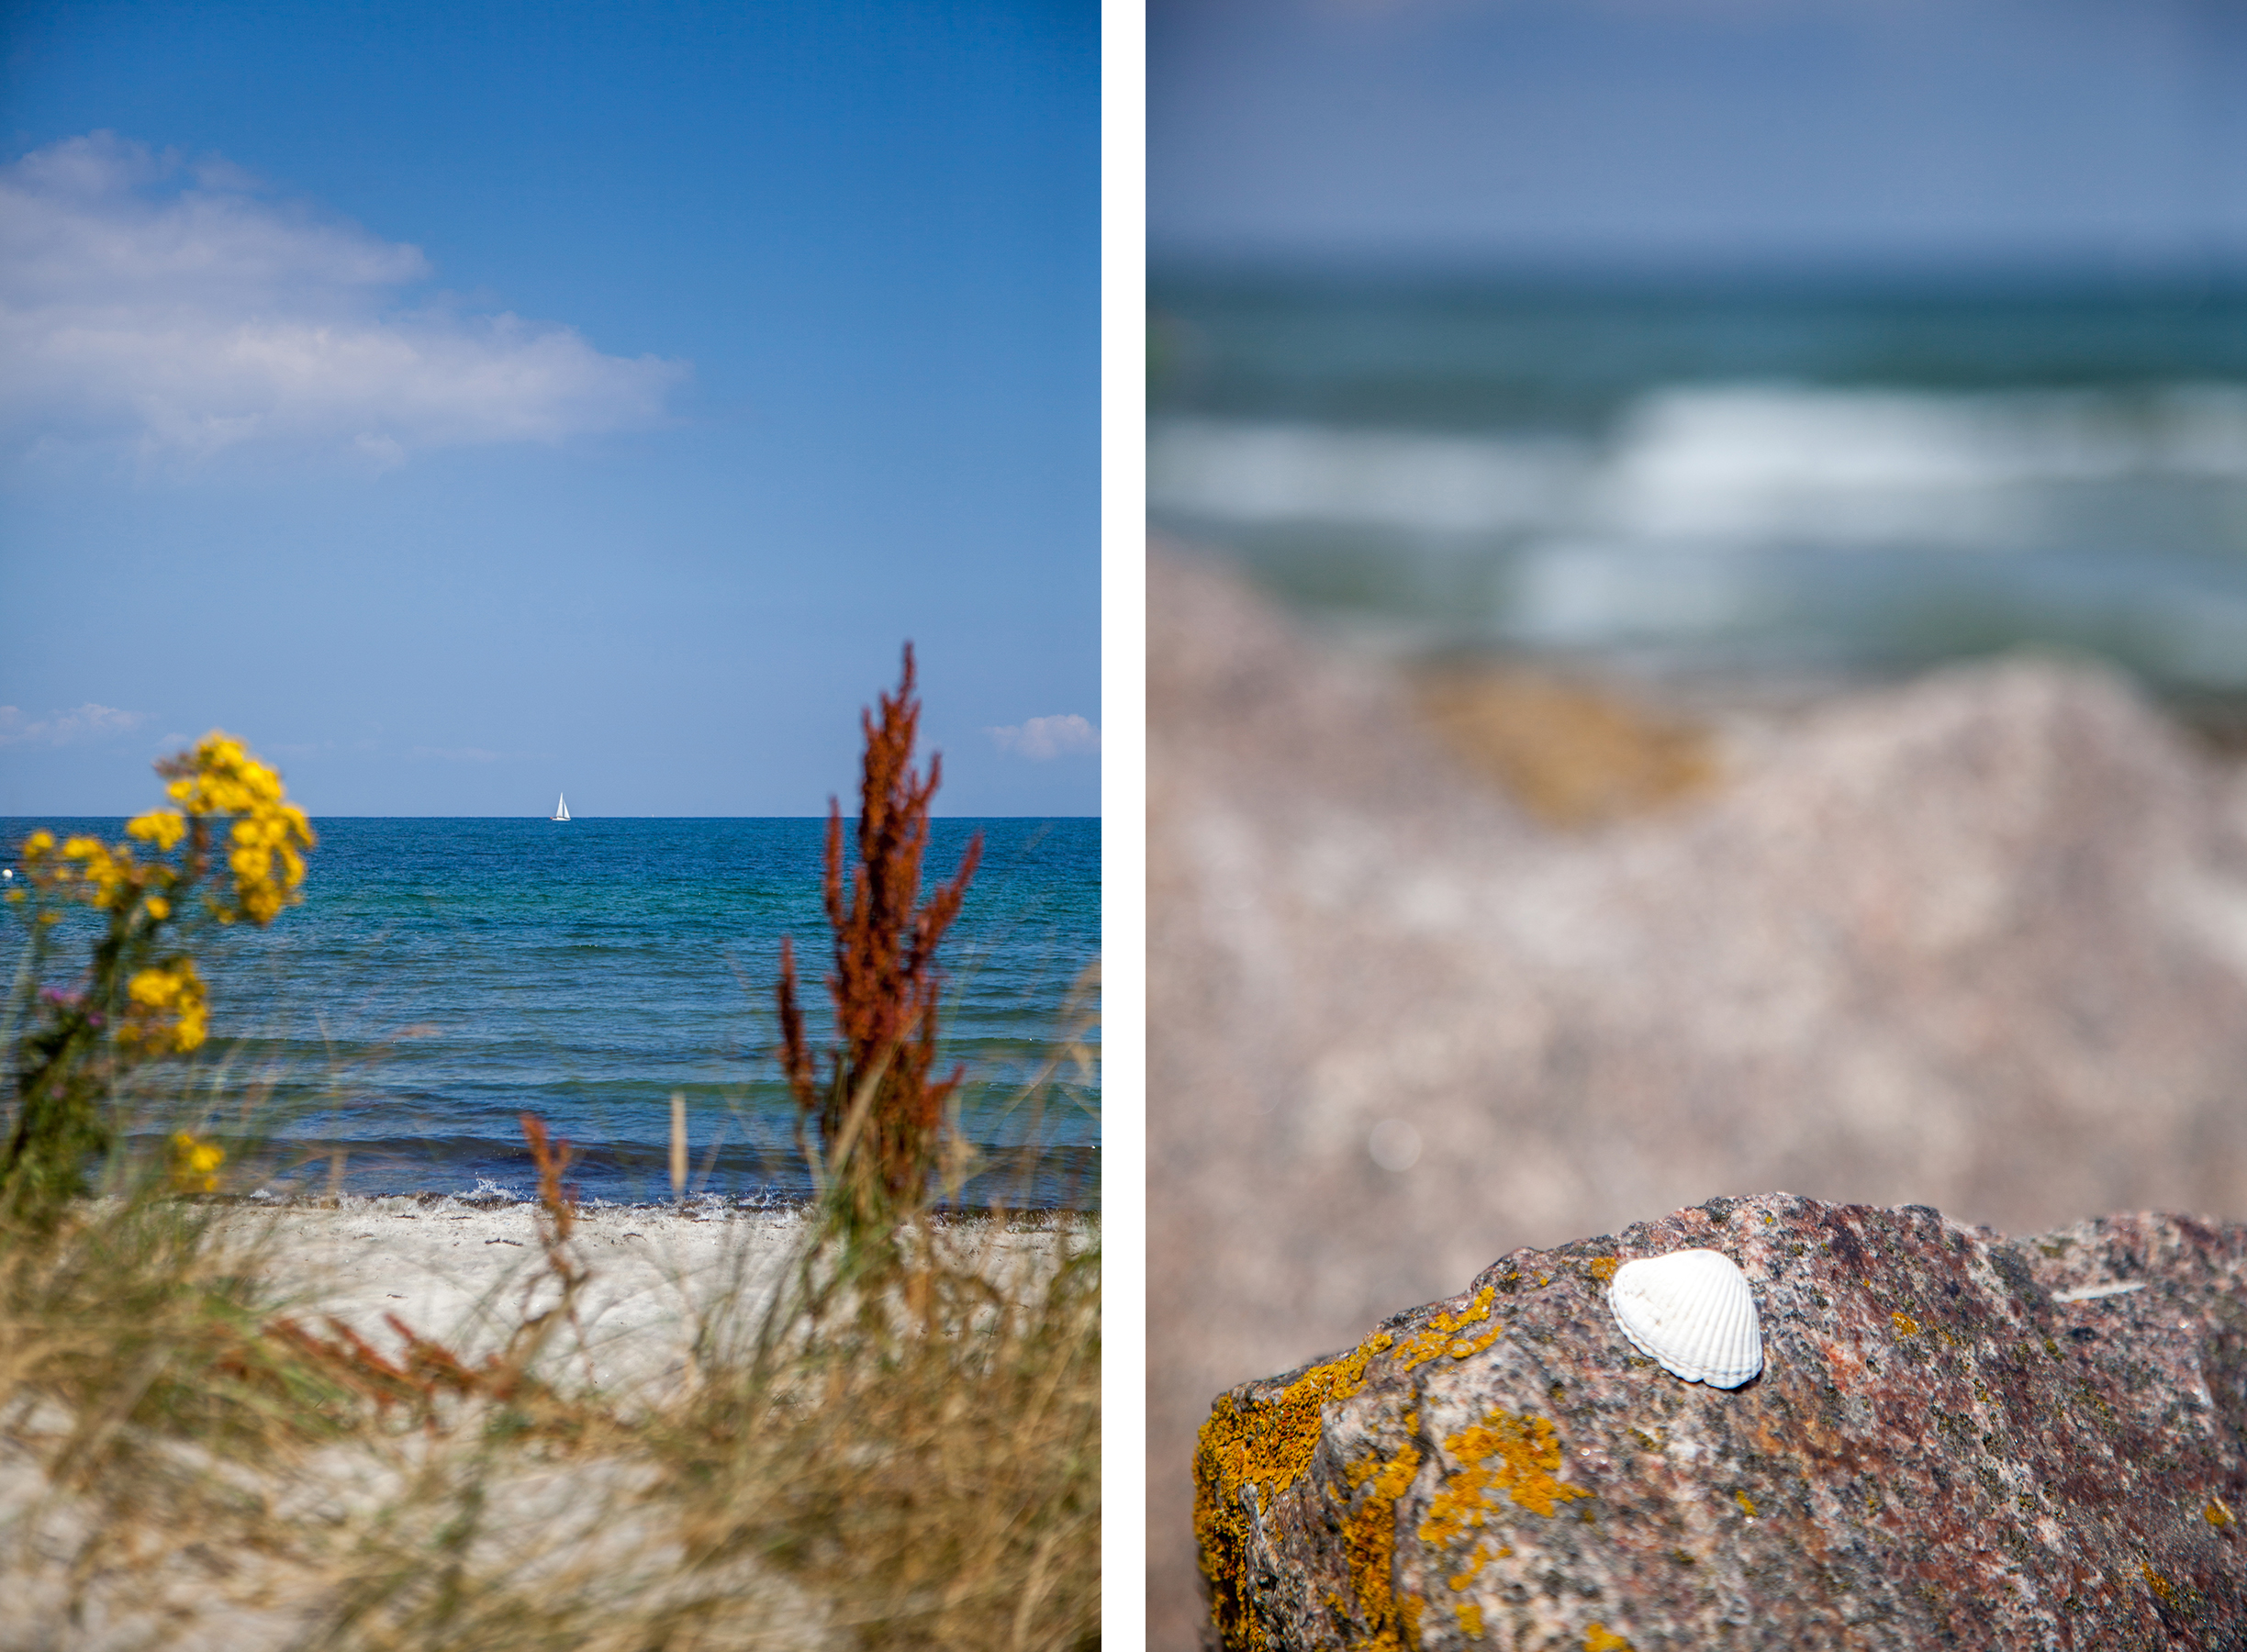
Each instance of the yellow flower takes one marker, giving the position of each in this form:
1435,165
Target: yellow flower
195,1165
224,778
158,907
162,826
110,875
166,1008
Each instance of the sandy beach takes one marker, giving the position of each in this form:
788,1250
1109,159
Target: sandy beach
468,1274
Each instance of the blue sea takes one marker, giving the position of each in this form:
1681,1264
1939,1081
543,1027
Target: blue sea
443,976
1808,477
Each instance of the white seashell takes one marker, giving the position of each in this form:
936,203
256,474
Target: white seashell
1690,1312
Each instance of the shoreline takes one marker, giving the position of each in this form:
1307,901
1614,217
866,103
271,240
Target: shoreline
700,1206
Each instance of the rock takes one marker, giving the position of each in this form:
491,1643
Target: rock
1978,941
1956,1440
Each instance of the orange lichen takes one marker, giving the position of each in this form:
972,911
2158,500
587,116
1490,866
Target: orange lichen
1269,1446
1526,1460
1598,1638
2216,1515
1471,1620
2159,1584
1746,1503
1440,1336
1483,1555
1603,1268
1368,1542
1905,1325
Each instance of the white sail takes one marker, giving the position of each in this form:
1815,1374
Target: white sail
560,807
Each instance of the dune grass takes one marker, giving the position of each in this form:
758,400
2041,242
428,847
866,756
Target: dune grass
901,1448
892,1441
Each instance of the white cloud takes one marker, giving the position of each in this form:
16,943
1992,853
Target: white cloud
1041,738
178,307
88,721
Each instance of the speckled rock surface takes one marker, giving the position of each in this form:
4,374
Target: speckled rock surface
1957,1440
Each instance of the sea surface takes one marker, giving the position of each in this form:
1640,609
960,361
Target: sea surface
1805,477
445,976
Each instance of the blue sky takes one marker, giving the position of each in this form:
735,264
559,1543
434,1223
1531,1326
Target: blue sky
2101,136
466,402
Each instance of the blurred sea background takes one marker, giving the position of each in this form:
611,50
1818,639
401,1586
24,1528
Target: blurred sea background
1734,337
1802,479
443,976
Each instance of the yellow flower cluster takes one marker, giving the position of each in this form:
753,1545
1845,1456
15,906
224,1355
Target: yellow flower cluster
99,873
195,1165
269,836
163,1009
166,1008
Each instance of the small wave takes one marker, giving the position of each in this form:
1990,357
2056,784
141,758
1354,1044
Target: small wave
1305,473
1739,460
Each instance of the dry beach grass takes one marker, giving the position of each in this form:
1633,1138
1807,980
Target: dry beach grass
214,1436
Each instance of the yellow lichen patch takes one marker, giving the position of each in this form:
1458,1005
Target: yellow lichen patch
2159,1584
2218,1515
1518,1455
1603,1268
1368,1542
1269,1445
1440,1336
1746,1503
1483,1555
1598,1638
1905,1325
1573,754
1470,1619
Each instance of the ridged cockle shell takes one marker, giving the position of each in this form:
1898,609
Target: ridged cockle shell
1692,1312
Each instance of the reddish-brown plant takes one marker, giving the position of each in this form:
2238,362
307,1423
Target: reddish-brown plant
881,1115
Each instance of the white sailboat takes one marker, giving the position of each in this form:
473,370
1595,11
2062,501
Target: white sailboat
560,807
